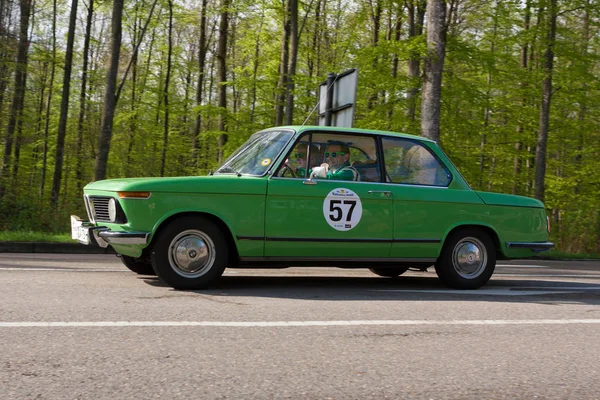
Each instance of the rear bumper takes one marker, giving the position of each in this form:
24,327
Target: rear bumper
533,246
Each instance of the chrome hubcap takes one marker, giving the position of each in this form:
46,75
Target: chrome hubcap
469,257
192,253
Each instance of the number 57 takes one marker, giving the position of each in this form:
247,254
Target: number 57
337,213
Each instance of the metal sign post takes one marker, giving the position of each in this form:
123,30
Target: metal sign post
337,99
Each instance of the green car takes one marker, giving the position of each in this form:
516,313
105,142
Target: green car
311,195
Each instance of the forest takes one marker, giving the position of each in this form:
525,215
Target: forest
96,89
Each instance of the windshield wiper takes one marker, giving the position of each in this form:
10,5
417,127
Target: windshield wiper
226,169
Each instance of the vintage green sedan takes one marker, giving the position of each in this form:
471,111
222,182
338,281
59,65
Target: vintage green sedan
314,196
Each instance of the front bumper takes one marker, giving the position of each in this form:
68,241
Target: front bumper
533,246
87,233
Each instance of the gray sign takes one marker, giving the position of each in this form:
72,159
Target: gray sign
337,99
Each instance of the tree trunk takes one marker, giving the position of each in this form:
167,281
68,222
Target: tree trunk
583,104
64,107
416,16
376,20
40,120
136,35
283,66
519,144
396,30
434,65
16,110
166,92
255,70
110,99
289,106
202,48
4,50
82,98
486,110
312,63
222,58
48,104
542,139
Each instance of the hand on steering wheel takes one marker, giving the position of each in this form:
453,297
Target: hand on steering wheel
288,167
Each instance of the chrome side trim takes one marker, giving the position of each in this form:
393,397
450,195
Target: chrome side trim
533,246
339,259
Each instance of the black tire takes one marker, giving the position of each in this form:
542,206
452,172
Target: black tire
190,253
392,272
468,259
137,265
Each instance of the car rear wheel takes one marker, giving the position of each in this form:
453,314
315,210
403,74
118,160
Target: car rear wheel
137,265
468,259
190,253
392,272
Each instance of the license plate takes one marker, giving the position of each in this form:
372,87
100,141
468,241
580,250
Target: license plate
79,231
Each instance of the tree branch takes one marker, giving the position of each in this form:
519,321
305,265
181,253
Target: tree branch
137,46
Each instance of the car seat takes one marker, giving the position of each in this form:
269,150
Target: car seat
367,170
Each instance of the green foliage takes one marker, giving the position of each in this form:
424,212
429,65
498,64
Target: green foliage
490,101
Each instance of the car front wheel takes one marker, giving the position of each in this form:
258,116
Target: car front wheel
137,265
190,253
467,260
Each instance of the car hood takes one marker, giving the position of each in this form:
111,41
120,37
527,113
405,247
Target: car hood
500,199
225,183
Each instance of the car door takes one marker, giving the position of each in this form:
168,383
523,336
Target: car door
329,218
426,203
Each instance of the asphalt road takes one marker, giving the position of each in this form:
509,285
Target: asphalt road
84,327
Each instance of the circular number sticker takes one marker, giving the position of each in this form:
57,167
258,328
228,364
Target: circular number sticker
265,162
342,209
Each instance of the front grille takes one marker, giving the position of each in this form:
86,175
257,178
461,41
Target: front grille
99,208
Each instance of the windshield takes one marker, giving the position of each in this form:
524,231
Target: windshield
258,153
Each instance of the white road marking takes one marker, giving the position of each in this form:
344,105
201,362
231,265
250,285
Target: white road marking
520,266
559,287
64,269
270,324
480,292
548,275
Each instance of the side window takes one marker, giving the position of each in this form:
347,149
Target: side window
332,156
346,157
409,162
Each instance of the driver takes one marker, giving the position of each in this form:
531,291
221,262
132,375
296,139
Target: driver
337,164
300,155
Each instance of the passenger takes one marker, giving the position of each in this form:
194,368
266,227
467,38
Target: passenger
337,164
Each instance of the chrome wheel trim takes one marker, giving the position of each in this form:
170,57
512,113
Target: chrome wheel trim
469,258
192,253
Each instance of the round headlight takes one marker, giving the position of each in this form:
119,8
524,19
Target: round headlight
112,210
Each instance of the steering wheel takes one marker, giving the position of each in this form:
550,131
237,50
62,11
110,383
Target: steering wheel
285,169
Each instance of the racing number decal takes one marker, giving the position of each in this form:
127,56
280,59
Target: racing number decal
342,209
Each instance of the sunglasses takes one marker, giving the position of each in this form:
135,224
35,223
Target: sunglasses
334,154
299,155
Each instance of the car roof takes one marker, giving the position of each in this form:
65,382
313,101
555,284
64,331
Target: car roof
305,128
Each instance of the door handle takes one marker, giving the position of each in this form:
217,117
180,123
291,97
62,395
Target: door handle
309,182
386,193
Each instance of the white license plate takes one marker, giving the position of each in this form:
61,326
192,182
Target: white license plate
79,231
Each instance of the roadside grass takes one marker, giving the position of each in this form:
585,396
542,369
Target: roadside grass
29,236
557,254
